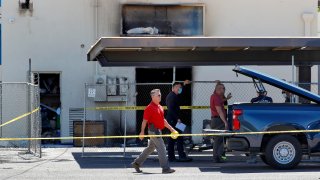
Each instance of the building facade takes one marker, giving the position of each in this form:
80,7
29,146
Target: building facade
57,35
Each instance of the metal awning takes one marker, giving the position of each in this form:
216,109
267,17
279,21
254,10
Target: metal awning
196,51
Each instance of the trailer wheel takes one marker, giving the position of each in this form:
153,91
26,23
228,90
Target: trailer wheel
283,152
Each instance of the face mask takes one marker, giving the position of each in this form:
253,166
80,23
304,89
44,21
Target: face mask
180,91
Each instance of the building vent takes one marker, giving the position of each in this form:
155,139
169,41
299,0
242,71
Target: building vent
75,114
25,5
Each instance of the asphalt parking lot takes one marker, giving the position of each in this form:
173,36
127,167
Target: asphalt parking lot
67,163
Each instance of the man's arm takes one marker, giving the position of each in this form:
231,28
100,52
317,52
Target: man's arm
167,125
143,127
222,116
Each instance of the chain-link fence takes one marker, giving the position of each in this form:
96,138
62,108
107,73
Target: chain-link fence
105,115
18,100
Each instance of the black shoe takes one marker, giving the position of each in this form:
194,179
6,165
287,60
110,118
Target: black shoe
186,159
172,160
136,167
168,171
217,160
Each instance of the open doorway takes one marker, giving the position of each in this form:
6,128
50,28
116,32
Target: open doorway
162,75
50,103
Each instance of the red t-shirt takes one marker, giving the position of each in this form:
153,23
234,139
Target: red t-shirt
154,114
216,100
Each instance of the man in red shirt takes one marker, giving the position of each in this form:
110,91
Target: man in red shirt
154,117
218,120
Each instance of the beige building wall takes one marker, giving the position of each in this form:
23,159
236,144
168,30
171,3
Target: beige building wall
58,34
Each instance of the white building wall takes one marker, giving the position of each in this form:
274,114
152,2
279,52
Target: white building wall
259,18
251,18
53,33
51,36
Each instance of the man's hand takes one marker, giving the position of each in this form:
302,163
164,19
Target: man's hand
185,82
174,131
141,135
229,96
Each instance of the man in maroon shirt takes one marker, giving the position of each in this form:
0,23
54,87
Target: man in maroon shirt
154,117
218,120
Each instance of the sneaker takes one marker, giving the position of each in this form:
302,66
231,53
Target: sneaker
136,167
223,157
168,171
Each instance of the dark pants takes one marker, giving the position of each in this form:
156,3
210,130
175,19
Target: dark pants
218,149
171,143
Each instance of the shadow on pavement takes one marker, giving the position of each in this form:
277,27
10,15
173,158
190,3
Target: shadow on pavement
203,162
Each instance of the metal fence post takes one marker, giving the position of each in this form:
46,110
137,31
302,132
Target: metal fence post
1,114
29,105
125,126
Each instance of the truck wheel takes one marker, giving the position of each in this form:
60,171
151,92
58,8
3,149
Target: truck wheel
283,152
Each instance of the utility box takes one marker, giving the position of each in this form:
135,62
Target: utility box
123,86
101,93
111,86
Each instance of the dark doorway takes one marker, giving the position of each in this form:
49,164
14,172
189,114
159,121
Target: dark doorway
50,103
162,75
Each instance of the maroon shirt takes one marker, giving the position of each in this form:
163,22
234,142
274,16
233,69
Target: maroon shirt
154,114
216,100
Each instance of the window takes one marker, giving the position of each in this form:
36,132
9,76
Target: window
162,20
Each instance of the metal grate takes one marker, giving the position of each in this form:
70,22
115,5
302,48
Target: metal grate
75,114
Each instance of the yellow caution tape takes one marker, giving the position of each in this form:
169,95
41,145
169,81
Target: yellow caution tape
19,117
142,107
165,135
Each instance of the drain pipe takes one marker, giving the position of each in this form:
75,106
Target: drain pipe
307,18
96,28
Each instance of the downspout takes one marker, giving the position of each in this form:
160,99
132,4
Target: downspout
96,29
307,18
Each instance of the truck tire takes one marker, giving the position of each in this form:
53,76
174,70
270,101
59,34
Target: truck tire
283,152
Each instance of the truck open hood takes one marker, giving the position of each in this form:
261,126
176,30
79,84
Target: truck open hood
279,83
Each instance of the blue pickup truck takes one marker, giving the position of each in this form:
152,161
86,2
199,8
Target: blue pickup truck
279,150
